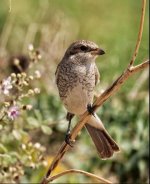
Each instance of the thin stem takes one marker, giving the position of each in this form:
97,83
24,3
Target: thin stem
79,172
139,34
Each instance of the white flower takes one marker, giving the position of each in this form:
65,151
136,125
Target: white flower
13,112
37,74
29,107
6,86
36,90
37,145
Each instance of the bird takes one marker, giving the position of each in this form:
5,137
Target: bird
76,77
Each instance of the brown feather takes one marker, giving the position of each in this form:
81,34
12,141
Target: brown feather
105,145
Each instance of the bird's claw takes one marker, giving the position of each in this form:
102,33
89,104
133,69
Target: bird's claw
68,140
90,109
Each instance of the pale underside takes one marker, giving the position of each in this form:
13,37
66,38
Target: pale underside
77,100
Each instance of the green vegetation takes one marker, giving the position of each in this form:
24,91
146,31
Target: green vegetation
29,141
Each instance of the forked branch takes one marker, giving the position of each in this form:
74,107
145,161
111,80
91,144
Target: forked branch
130,70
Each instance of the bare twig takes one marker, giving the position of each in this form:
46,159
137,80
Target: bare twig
130,70
139,67
117,84
80,172
139,34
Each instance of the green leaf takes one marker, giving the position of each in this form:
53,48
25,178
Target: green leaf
38,114
47,130
48,121
33,123
16,134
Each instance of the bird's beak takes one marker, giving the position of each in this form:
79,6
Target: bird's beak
98,51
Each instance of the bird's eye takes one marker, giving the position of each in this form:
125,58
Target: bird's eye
84,48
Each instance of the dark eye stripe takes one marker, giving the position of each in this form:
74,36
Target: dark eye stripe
84,48
78,49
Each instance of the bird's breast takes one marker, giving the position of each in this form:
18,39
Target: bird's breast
79,86
77,99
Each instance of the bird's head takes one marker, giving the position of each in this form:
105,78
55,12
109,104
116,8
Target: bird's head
84,50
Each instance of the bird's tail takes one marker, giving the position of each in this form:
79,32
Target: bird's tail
105,145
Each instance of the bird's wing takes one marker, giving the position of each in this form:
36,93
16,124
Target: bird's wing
56,73
97,75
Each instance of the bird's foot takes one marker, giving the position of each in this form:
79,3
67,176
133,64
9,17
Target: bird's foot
90,109
68,140
69,116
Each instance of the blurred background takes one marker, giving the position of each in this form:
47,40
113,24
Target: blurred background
51,25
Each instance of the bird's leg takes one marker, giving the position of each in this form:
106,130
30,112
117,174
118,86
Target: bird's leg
90,109
67,138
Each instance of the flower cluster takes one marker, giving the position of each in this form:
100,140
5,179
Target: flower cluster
34,54
6,86
17,86
16,93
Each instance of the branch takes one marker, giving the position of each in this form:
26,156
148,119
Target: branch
80,172
117,84
139,34
139,67
130,70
